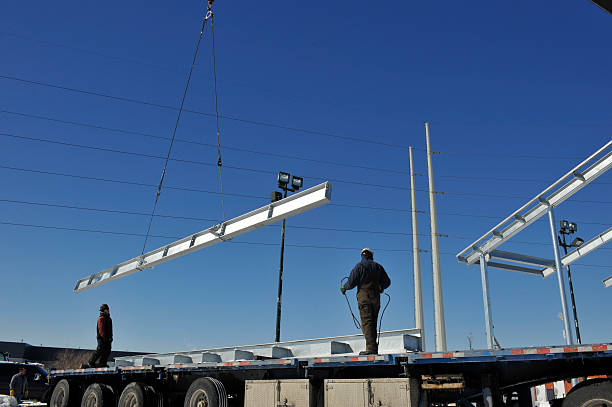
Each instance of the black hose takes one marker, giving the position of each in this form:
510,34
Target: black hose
357,322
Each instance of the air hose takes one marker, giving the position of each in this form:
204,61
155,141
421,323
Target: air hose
356,320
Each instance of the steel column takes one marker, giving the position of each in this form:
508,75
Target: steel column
569,338
418,290
435,255
484,276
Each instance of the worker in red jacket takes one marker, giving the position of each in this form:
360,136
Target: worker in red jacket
104,335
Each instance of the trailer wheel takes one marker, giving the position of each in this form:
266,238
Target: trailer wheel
598,394
134,395
61,396
205,392
97,395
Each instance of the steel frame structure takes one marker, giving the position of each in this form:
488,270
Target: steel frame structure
295,204
484,249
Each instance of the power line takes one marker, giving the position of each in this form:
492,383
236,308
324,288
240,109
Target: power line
277,126
256,170
167,107
142,184
144,155
182,140
310,246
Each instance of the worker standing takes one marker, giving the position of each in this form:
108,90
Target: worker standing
104,335
19,385
371,280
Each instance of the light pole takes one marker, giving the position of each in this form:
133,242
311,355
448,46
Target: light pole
569,228
283,183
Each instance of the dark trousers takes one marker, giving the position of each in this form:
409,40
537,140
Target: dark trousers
369,317
100,356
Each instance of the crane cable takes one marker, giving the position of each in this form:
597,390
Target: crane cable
219,163
161,182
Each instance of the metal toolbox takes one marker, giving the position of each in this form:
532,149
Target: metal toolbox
387,392
279,393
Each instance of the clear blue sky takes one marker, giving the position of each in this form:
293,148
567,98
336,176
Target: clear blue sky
496,81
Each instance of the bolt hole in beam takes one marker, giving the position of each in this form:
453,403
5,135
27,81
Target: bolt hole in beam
293,205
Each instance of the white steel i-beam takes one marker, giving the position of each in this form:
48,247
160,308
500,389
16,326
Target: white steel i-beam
295,204
582,251
435,256
572,182
486,299
418,290
569,338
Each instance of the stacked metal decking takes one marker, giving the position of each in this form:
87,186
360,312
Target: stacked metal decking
400,341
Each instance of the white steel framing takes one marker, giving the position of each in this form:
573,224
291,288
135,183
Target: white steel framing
292,205
484,249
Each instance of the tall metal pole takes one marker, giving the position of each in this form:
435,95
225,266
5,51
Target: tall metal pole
280,280
418,291
486,299
569,338
435,256
571,287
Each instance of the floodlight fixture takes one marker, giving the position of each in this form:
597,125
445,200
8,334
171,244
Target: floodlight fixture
564,226
275,196
297,182
577,242
573,228
283,179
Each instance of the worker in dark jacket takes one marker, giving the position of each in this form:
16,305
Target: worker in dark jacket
19,385
371,280
104,334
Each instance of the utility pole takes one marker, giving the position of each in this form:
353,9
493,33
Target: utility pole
435,255
418,291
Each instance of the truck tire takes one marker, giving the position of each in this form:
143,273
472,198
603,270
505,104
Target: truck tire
135,395
97,395
61,396
598,394
206,392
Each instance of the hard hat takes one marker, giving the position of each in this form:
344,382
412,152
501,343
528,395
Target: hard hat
365,249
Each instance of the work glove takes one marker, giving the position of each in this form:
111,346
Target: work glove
342,289
12,393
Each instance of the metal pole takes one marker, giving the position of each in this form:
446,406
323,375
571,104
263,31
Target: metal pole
484,276
280,280
571,287
418,290
569,339
435,256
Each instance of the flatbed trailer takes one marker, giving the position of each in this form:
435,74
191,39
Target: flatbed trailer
409,379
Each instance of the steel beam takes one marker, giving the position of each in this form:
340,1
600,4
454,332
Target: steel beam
583,250
521,258
512,267
295,204
608,282
576,179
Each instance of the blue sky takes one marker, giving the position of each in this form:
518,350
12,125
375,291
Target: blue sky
497,84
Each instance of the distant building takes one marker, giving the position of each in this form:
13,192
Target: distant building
52,357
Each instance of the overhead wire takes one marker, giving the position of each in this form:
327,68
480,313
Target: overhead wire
241,195
262,171
304,246
187,141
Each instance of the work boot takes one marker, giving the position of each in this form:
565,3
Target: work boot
368,352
